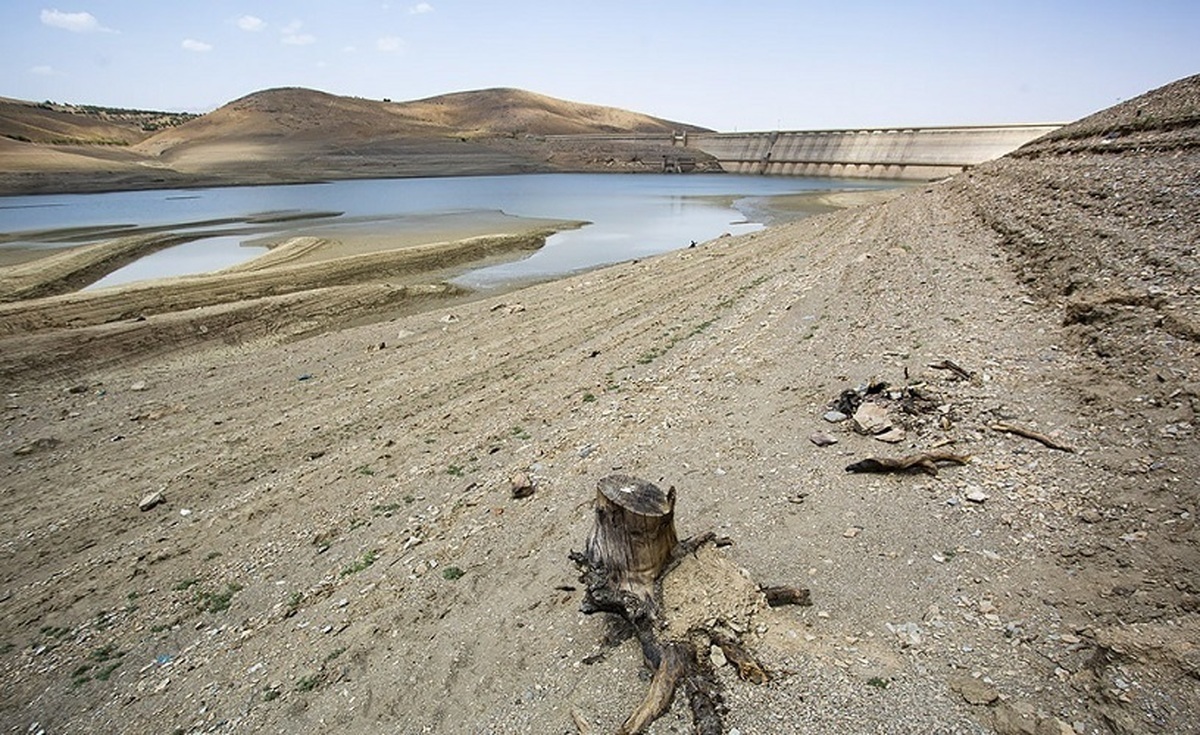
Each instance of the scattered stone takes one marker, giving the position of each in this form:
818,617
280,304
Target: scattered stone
138,386
822,439
150,501
1090,515
871,419
894,435
852,532
448,319
974,691
77,389
717,656
835,417
977,496
37,445
909,634
520,485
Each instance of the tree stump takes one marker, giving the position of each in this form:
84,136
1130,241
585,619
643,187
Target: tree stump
631,550
634,534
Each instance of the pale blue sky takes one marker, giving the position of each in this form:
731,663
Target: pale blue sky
729,65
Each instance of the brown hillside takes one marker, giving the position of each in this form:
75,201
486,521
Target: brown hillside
292,115
293,135
509,111
40,123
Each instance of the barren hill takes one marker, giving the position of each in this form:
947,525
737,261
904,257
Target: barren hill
331,540
294,134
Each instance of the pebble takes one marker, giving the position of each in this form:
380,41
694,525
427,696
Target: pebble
138,386
151,500
822,439
977,496
835,417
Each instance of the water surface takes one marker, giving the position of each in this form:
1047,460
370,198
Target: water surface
631,215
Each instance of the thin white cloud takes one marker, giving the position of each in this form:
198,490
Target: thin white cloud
293,37
389,44
251,23
81,22
44,71
420,9
191,44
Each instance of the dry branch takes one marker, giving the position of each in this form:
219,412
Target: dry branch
787,595
953,367
1031,434
924,461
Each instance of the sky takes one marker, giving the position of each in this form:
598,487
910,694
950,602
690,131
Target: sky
730,65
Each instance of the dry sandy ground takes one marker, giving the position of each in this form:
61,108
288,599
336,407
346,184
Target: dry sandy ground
338,550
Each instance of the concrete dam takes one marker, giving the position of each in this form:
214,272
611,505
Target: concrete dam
920,153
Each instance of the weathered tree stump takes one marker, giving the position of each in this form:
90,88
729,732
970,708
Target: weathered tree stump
634,534
631,551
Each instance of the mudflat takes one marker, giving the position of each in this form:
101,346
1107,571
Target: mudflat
331,539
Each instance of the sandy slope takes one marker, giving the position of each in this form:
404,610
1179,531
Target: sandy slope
317,492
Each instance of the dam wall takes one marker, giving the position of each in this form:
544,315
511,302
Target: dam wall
918,153
882,153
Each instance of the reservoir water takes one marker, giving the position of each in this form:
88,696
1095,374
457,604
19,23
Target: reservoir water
631,216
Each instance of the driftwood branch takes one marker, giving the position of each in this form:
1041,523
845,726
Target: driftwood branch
1031,434
787,595
748,668
953,367
924,461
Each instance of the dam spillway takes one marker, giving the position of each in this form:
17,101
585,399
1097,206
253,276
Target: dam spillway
915,153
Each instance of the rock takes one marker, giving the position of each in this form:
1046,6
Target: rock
77,389
871,419
823,440
150,501
1090,515
909,634
717,656
37,445
448,319
894,435
520,485
852,532
138,386
977,496
974,691
835,417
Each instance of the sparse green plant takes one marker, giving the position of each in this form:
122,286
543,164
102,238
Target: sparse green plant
364,561
589,398
878,683
452,573
455,470
184,584
215,602
270,695
386,509
308,683
335,653
365,469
